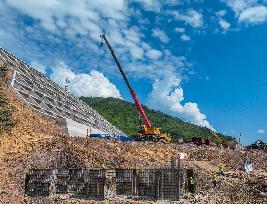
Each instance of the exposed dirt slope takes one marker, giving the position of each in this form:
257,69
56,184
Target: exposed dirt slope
232,159
237,188
26,133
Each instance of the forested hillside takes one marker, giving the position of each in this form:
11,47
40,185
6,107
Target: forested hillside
124,116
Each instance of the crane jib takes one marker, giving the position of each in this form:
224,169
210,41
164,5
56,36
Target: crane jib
140,109
137,103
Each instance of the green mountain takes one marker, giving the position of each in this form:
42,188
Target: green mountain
124,116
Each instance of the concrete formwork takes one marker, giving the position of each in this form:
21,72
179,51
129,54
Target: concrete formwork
151,184
46,97
147,184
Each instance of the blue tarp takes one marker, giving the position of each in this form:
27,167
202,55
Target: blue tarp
124,138
100,136
114,137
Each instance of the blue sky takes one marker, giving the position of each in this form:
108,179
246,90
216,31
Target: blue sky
202,61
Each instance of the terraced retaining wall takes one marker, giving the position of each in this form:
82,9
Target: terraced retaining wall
49,99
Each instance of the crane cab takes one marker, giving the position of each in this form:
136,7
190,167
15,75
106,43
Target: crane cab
149,130
152,134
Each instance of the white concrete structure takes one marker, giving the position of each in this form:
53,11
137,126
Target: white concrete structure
48,98
77,129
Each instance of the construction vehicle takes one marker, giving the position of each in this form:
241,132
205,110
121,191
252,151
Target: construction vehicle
260,145
227,144
201,141
219,140
146,132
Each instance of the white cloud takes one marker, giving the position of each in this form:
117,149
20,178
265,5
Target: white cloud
154,54
224,24
167,95
239,5
221,13
153,5
185,37
166,65
260,131
179,30
253,15
156,5
161,35
191,17
39,67
248,11
93,84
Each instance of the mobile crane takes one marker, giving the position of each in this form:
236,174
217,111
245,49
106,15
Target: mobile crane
146,132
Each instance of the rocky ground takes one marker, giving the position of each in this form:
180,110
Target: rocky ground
33,141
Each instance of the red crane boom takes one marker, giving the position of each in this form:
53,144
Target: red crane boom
136,101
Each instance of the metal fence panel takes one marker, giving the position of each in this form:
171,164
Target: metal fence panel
77,183
148,183
38,183
124,182
169,185
155,184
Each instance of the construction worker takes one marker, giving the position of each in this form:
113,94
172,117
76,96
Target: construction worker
221,170
191,185
248,165
215,179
